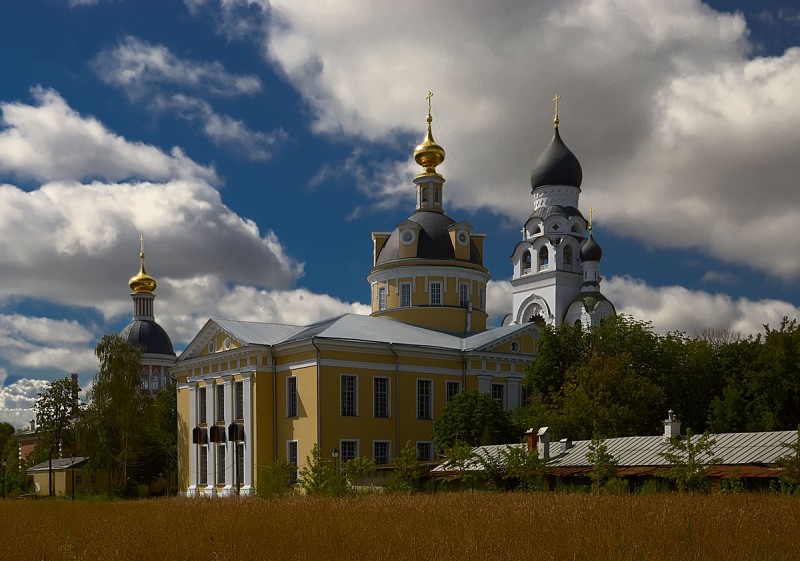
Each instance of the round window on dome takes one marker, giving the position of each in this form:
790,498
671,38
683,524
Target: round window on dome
407,237
463,237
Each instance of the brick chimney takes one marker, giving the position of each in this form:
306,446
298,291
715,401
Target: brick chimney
531,440
672,426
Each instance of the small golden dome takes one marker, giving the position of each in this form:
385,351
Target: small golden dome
142,283
428,154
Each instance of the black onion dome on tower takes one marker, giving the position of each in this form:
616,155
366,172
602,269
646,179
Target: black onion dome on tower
556,165
434,240
591,250
149,336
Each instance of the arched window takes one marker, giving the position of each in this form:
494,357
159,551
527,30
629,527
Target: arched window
544,258
576,229
568,258
526,263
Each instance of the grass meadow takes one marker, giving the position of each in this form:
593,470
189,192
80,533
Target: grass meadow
444,526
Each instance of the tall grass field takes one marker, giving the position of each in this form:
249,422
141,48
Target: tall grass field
445,526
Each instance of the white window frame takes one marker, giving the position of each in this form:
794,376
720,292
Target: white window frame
238,402
429,444
388,444
203,463
292,456
435,293
448,394
382,297
219,415
355,395
342,458
221,463
463,294
388,397
202,412
502,388
430,398
291,396
405,297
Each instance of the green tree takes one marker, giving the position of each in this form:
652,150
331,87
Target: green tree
604,465
524,466
317,475
689,458
558,350
356,469
276,480
407,474
55,408
458,459
474,419
114,428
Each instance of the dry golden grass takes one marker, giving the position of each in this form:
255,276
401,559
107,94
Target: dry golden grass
430,527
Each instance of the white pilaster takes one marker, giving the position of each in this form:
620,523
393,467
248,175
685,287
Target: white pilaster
194,449
513,392
484,383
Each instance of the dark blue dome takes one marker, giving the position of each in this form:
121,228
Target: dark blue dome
148,335
557,165
591,250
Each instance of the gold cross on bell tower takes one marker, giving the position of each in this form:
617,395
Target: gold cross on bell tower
591,213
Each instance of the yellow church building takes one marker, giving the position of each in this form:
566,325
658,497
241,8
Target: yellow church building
250,393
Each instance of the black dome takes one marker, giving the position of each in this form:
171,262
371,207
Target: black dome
591,250
434,240
148,335
557,165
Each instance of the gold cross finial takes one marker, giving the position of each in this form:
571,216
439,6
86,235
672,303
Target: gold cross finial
141,241
591,212
555,120
428,97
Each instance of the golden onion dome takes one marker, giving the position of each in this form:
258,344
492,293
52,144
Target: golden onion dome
142,283
428,154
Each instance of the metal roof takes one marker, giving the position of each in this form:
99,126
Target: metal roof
640,455
256,333
58,464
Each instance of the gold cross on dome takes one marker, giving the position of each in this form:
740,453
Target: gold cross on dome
428,97
556,99
591,212
141,240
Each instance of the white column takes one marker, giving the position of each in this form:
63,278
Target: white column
513,392
247,488
230,453
211,474
193,448
485,383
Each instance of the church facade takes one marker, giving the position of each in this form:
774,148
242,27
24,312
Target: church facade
250,393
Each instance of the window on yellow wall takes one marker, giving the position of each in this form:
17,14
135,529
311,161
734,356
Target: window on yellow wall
238,389
349,450
380,396
424,399
291,457
405,294
498,392
482,298
424,451
452,390
463,294
220,404
220,464
381,452
291,396
435,290
348,393
381,297
203,475
201,406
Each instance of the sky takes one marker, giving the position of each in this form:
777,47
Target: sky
256,144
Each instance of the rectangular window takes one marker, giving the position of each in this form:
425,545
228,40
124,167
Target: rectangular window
524,396
381,452
436,293
453,389
239,393
240,463
381,297
291,396
482,298
424,399
405,294
349,395
220,464
220,404
498,392
380,397
291,457
424,451
349,450
203,475
201,406
463,295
